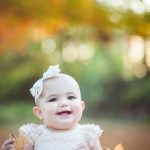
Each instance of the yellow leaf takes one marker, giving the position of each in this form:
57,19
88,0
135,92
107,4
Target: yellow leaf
20,142
119,147
106,148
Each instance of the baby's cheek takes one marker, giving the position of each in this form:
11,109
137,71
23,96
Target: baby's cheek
78,109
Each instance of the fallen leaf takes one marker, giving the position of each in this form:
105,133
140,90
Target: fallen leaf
119,147
20,142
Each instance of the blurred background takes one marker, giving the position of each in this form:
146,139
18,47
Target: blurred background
104,44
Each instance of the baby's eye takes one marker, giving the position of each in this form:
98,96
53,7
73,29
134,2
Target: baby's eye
71,97
52,100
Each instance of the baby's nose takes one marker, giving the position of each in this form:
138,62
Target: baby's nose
63,103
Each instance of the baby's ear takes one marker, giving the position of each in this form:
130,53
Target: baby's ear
83,105
37,112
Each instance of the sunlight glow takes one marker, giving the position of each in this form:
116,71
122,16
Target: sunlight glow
140,70
73,52
137,6
70,53
147,4
136,49
114,3
115,17
134,58
48,45
39,33
147,48
86,51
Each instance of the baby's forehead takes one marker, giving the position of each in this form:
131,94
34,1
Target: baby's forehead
61,82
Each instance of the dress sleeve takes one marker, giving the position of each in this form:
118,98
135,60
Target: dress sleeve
91,134
31,132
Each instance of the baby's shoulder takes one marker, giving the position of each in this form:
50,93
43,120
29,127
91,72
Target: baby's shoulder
91,132
30,130
30,127
90,128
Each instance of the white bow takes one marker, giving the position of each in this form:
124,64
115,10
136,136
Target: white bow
37,88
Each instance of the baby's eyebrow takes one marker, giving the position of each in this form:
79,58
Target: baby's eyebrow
51,95
72,92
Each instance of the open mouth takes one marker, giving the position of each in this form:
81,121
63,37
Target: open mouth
64,113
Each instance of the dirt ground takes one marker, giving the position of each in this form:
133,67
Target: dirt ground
132,135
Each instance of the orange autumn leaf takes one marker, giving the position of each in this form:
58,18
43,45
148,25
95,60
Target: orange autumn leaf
20,142
119,147
106,148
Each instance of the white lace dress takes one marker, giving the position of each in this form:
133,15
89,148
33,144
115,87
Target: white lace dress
82,137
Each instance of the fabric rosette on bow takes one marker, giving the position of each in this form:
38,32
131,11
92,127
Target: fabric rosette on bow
37,88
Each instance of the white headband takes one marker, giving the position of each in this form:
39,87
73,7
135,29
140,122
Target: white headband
37,88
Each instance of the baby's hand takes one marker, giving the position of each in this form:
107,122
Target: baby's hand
9,143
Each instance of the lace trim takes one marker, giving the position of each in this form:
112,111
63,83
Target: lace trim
91,133
31,131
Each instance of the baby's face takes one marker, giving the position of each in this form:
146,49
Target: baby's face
60,103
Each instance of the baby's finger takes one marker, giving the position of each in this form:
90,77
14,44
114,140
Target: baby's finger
7,142
9,147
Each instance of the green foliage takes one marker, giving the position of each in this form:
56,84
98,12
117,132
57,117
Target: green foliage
17,72
16,112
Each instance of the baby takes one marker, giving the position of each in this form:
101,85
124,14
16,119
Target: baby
59,107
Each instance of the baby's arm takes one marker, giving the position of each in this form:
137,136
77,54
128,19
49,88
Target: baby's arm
8,144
